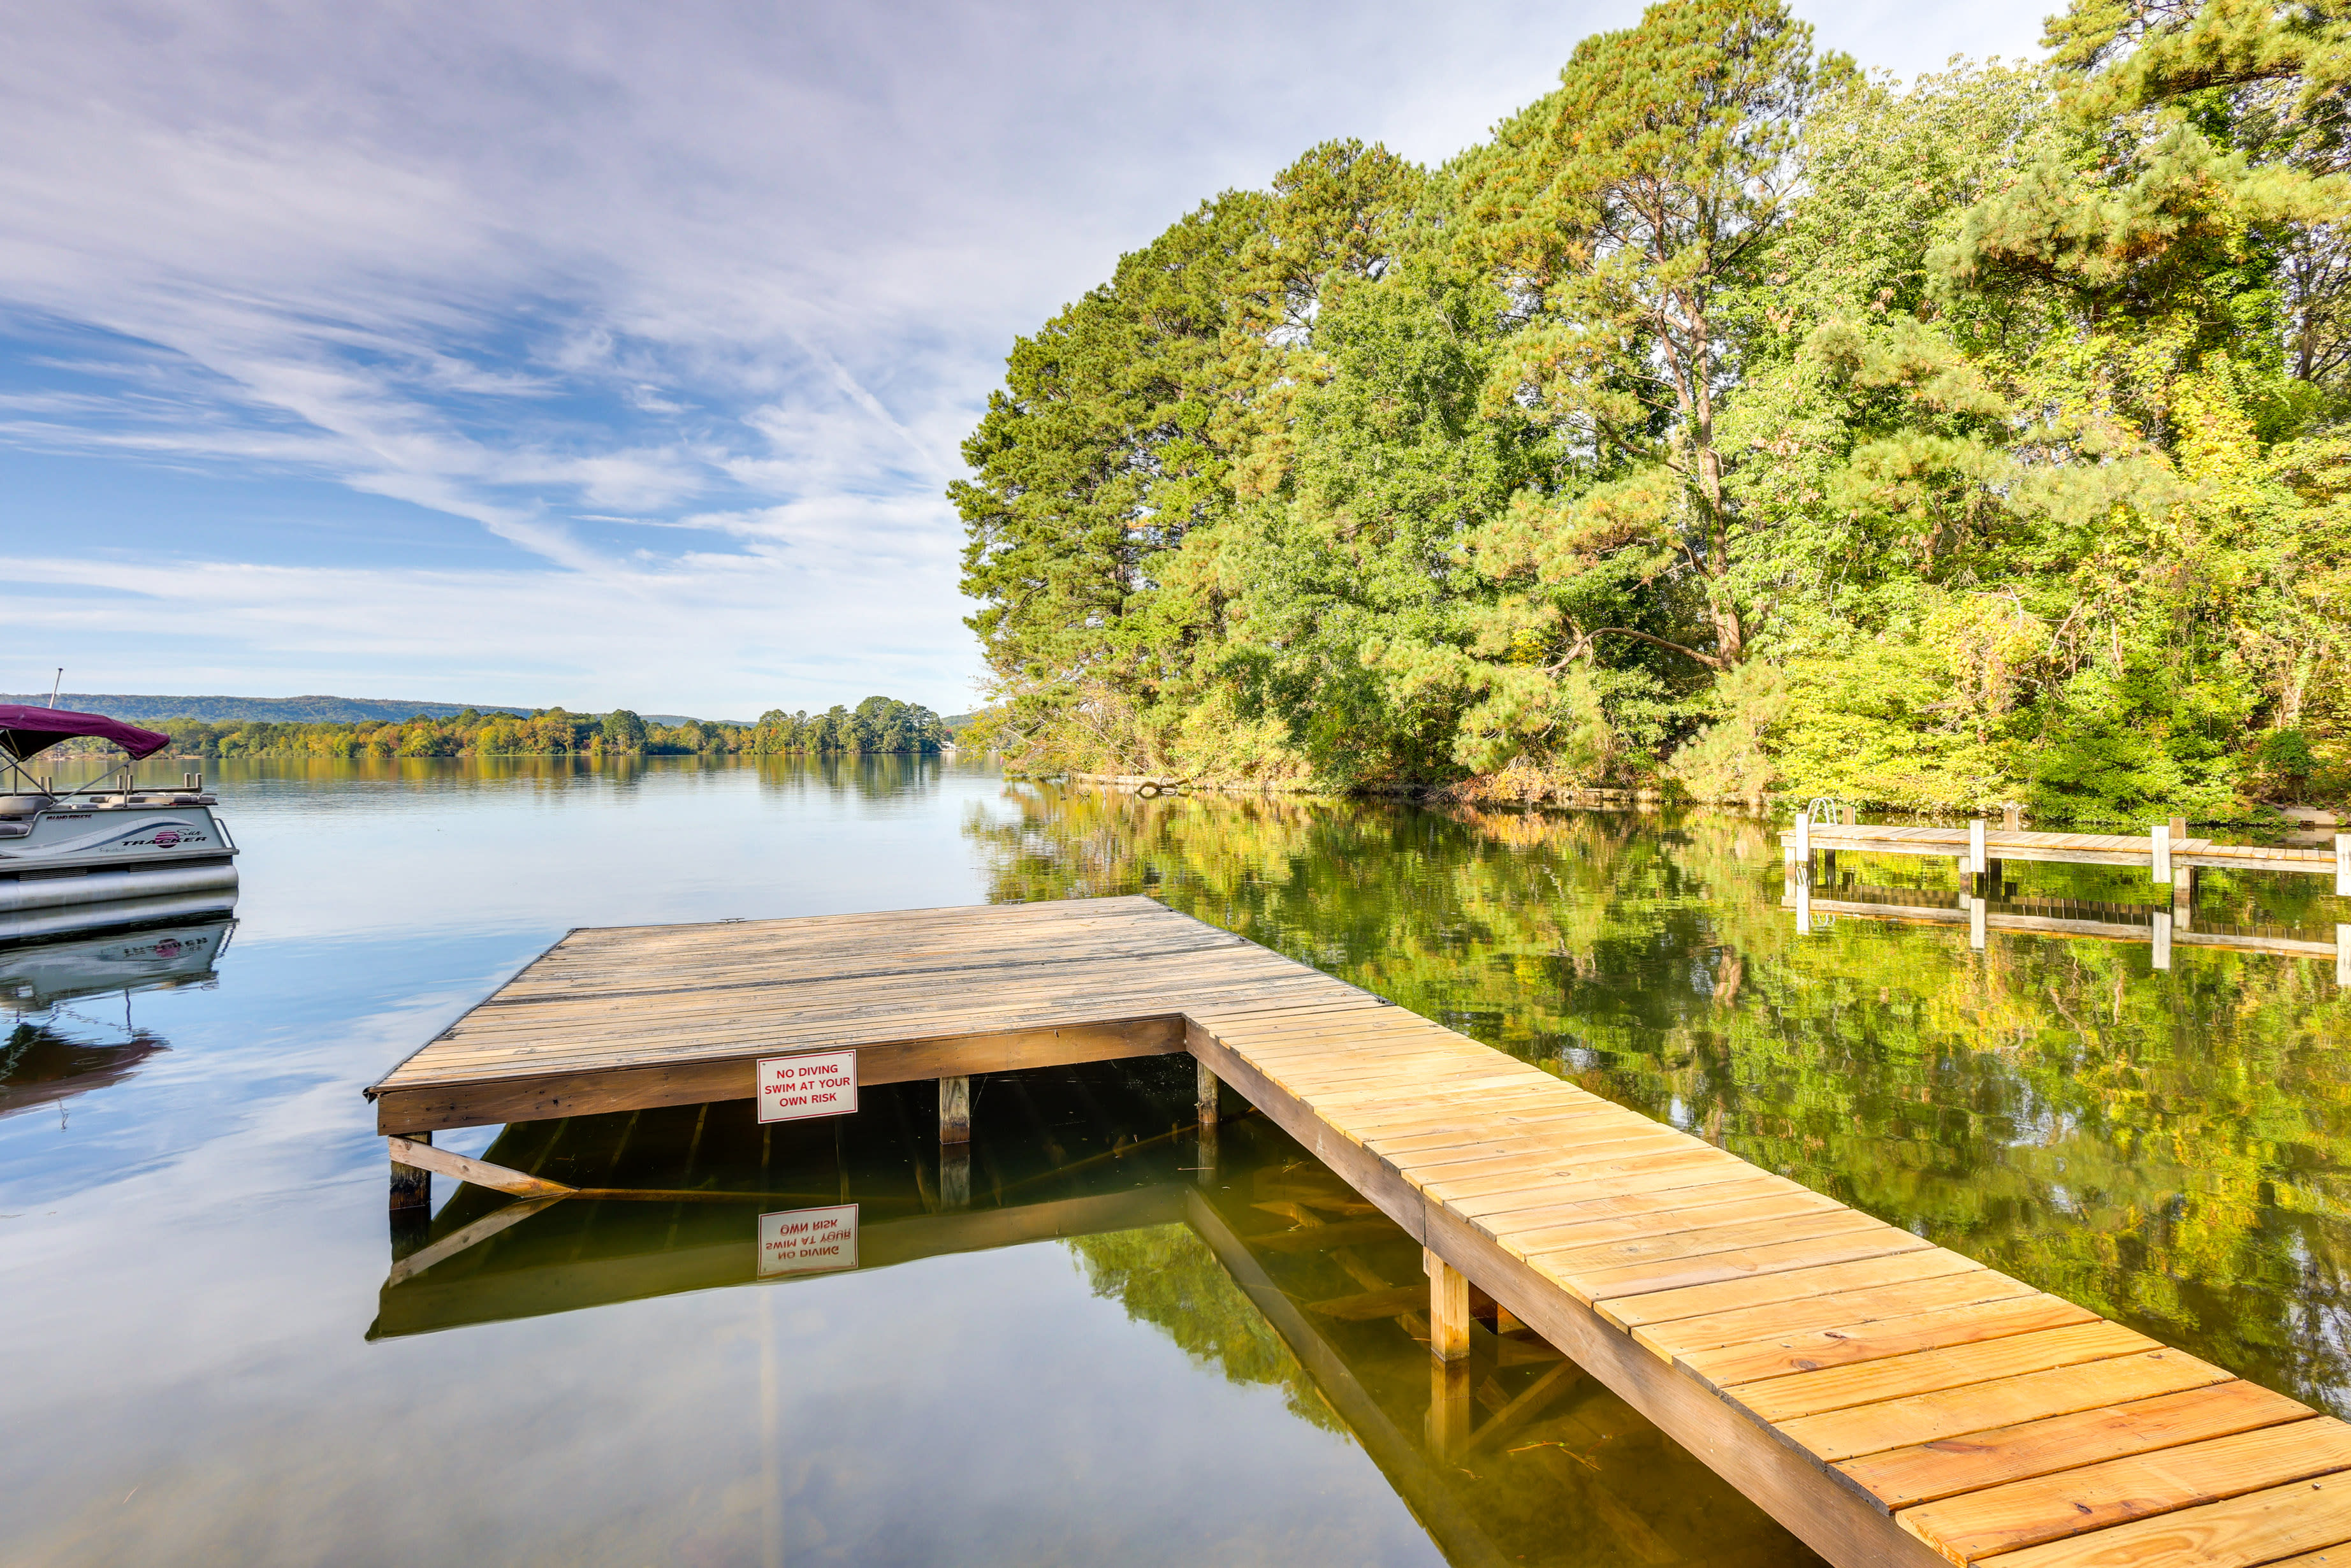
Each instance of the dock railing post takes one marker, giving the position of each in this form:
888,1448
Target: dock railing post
1976,846
2012,818
1804,846
1448,1308
2342,865
2159,865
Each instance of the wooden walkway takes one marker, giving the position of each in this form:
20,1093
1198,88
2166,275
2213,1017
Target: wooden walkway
1888,1401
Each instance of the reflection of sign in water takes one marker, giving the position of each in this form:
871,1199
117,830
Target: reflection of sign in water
819,1083
805,1240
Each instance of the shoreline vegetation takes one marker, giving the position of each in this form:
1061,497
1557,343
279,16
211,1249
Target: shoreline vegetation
878,725
1732,424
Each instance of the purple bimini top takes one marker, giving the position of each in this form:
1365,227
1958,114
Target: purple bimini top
26,732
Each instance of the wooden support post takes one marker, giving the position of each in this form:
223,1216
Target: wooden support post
411,1186
1205,1086
1449,1408
1976,845
2163,939
1828,867
1803,905
1995,879
955,1111
954,1177
2342,865
2183,897
1448,1308
1804,846
2159,866
1976,913
2342,957
2012,818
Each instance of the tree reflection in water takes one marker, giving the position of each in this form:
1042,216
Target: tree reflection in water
2167,1149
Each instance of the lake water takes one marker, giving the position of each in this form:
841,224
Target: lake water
1124,1345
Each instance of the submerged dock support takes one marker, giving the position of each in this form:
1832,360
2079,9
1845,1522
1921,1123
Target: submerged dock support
955,1111
954,1177
1205,1086
1448,1308
1449,1408
411,1186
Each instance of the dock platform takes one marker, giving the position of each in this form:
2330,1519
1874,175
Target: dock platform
1888,1401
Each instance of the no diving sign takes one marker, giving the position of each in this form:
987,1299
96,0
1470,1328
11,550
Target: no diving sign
805,1240
815,1083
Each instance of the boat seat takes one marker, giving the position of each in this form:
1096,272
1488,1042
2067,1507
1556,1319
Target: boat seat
15,829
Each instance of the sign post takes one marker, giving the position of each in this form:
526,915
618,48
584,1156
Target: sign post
812,1083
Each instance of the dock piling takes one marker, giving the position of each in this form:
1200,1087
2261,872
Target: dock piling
2342,865
1976,846
2163,939
955,1111
2159,861
1449,1408
954,1177
2342,957
411,1186
1206,1087
1448,1308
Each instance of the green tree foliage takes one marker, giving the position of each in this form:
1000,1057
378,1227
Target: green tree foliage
879,725
1728,421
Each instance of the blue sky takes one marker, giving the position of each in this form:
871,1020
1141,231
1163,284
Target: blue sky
614,354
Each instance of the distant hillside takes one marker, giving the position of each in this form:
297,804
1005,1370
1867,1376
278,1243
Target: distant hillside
278,710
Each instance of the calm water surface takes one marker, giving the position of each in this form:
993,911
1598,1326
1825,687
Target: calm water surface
1123,1344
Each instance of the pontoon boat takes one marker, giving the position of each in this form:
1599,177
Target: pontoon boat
135,852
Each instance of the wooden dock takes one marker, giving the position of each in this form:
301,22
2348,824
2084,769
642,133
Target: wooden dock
1888,1401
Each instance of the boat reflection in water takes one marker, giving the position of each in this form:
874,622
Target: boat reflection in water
55,1049
1239,1245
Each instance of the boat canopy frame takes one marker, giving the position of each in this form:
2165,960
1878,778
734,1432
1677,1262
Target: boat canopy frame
26,732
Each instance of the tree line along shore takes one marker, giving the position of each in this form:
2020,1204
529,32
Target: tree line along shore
876,725
1732,421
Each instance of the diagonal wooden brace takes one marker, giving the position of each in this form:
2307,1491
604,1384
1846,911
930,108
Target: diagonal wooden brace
481,1173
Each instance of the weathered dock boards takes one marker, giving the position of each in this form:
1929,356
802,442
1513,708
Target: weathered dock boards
1888,1401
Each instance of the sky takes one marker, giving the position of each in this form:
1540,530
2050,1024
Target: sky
610,355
